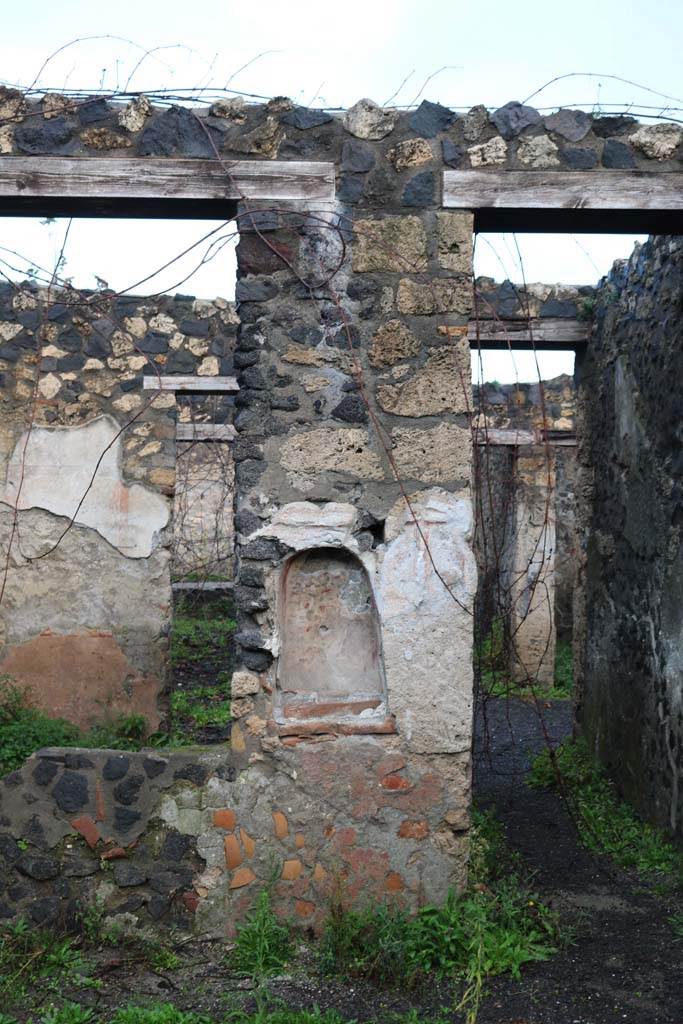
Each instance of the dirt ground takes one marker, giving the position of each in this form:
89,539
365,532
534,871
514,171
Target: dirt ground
624,964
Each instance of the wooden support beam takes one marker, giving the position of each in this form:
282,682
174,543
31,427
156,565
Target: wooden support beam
560,333
495,436
568,190
205,432
126,178
184,383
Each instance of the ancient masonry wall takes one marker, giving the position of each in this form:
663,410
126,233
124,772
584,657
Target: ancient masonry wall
353,363
629,623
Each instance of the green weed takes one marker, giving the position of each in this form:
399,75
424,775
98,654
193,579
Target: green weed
263,944
492,661
286,1017
606,824
68,1013
158,1013
195,637
36,963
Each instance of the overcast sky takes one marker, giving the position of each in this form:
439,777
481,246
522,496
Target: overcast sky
331,54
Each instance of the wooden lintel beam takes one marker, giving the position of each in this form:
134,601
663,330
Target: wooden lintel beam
559,333
136,178
190,383
496,436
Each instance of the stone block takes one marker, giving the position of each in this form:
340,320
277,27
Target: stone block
393,245
455,241
440,295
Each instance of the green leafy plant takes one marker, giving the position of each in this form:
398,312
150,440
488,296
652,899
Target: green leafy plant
158,1013
263,944
68,1013
606,824
492,661
285,1016
36,963
196,636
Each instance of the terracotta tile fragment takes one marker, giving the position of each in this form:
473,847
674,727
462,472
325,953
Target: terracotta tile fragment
243,876
394,882
86,827
191,901
395,782
413,829
319,874
224,819
233,852
280,824
248,843
291,869
300,840
304,908
115,853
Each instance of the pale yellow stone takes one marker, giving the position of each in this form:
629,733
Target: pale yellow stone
303,356
255,725
49,385
51,351
176,341
162,323
241,708
23,390
8,330
93,364
162,477
6,139
492,152
143,430
24,300
136,326
164,400
392,343
136,362
208,367
121,343
438,455
127,403
68,376
150,449
204,309
657,141
135,114
538,151
313,383
455,241
441,385
394,244
328,450
245,684
411,153
440,295
54,104
198,346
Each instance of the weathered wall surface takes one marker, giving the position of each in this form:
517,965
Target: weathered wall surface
629,622
85,608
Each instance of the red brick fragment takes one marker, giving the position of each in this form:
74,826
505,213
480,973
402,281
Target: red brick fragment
191,901
115,853
395,782
86,827
233,852
224,819
394,882
243,876
304,908
280,824
413,829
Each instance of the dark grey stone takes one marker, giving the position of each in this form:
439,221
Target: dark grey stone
351,409
285,403
431,118
607,126
194,327
115,767
257,289
37,866
97,345
127,874
246,522
250,599
71,791
44,772
74,361
44,910
357,157
169,882
251,575
153,342
420,189
128,791
158,907
304,117
93,111
572,125
617,156
178,132
558,307
257,661
79,868
350,188
513,118
13,780
191,772
125,818
34,833
453,154
36,135
154,767
264,549
244,359
181,361
579,159
175,847
250,639
9,850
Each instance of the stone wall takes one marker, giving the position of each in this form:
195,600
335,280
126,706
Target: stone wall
86,607
629,640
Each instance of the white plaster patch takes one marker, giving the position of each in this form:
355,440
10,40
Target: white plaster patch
427,628
58,465
303,524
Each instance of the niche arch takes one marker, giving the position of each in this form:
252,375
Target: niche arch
330,663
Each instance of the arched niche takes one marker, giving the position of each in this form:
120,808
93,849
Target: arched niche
330,656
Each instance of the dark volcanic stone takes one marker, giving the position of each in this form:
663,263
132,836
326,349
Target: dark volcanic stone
79,868
603,127
168,882
257,661
195,773
153,342
255,289
304,117
93,111
431,118
251,575
44,910
34,833
97,345
286,403
175,847
197,328
9,850
250,639
420,189
124,818
153,767
351,409
579,159
177,132
128,791
251,599
6,911
558,307
37,866
572,125
127,874
44,772
263,549
350,188
38,136
617,155
71,791
453,154
158,907
115,767
357,157
513,118
246,522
